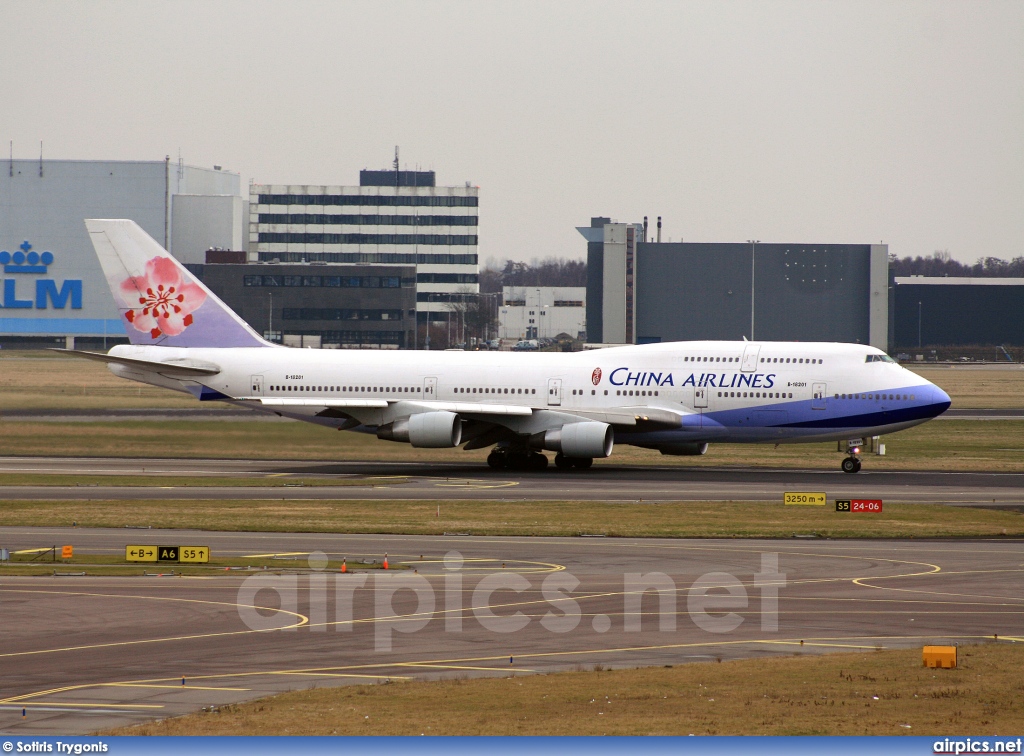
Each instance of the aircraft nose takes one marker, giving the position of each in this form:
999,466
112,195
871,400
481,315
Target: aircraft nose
940,400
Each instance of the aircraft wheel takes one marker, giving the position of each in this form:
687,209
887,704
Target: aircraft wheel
538,461
518,460
497,460
583,462
562,462
851,465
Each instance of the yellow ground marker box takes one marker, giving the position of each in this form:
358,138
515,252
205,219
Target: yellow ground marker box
140,553
804,498
939,656
193,554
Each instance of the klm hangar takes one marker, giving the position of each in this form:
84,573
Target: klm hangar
52,291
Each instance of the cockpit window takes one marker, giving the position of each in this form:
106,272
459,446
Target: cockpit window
879,358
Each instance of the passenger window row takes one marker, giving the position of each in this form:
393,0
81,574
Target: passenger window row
754,395
773,360
494,391
346,389
877,397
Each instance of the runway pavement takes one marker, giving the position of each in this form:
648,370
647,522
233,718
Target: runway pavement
84,653
441,481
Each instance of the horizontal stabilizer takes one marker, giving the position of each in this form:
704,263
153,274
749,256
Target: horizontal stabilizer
172,368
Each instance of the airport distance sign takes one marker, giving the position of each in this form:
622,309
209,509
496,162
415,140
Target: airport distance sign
804,498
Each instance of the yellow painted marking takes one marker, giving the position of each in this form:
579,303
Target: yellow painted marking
33,551
823,645
303,620
461,666
97,705
475,484
171,687
275,554
338,674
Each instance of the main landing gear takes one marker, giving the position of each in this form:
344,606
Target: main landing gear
568,463
503,458
516,459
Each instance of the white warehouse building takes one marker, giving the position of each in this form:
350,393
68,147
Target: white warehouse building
53,290
392,217
542,312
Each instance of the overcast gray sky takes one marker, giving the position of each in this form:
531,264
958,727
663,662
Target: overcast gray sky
783,121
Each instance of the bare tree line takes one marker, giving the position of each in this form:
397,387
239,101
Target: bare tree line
550,272
941,264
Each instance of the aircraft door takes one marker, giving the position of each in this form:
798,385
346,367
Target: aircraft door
430,388
700,398
818,396
750,353
257,385
554,392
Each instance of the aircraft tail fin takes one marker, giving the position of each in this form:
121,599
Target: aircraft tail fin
160,301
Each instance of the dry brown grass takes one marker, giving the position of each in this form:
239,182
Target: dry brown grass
991,387
878,693
545,518
992,445
47,380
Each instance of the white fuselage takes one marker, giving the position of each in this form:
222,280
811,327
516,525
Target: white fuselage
726,391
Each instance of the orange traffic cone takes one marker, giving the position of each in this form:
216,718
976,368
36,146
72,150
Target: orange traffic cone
344,564
385,561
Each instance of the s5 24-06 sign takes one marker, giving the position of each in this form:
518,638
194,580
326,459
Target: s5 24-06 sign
872,506
814,499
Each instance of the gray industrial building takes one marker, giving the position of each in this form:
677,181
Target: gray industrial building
53,289
648,291
317,305
957,311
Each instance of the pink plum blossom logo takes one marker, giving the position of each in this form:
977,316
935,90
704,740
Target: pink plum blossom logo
166,300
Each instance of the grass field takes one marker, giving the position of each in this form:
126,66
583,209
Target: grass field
31,565
874,693
272,480
546,518
995,445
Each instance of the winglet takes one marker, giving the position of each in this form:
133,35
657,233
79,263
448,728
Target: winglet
160,302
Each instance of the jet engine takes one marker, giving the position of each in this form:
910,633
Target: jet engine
577,440
425,430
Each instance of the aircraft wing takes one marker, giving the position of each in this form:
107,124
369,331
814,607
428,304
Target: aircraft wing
409,407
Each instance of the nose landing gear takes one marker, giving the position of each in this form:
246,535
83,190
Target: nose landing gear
852,462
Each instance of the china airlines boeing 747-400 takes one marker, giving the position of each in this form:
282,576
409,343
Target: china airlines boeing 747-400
674,397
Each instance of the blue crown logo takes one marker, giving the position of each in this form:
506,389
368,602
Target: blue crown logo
24,260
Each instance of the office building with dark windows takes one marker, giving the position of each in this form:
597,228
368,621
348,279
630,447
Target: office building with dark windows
392,218
339,306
